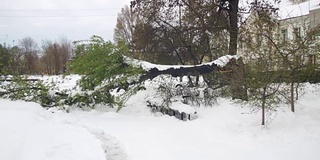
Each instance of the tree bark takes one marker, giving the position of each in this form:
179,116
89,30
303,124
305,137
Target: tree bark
237,80
179,72
233,20
238,88
292,96
264,106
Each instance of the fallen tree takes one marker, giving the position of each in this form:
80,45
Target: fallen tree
104,68
151,71
231,66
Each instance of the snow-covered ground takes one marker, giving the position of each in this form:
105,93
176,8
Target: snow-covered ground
223,131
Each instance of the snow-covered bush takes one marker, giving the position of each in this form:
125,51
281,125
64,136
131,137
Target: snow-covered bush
23,88
170,89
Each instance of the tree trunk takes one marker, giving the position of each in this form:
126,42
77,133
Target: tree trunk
264,106
179,72
233,20
292,95
297,91
238,87
237,81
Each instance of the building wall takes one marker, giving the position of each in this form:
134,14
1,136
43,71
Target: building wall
314,17
291,26
287,32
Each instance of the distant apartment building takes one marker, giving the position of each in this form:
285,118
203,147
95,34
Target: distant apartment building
294,29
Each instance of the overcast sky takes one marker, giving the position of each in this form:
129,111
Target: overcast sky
53,19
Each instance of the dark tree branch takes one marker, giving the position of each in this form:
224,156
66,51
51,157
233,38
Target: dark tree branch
182,71
18,90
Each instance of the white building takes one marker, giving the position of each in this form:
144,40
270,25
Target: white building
294,29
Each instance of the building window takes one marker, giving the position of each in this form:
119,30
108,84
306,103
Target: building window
296,33
284,35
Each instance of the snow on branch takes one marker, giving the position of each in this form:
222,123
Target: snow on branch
154,70
147,66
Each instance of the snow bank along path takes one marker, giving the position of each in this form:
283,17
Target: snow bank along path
27,132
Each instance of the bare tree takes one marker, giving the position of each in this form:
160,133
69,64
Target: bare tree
17,60
56,56
65,53
30,51
190,32
126,21
47,57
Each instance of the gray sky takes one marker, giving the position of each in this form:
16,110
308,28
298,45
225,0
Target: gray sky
53,19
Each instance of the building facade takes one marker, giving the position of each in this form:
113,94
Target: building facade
290,35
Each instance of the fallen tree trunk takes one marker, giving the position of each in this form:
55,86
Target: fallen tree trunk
182,71
154,70
12,91
231,65
10,80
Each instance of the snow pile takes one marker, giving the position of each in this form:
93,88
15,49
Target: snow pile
26,133
224,60
181,107
62,82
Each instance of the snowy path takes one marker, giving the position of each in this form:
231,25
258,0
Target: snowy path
27,132
110,145
219,133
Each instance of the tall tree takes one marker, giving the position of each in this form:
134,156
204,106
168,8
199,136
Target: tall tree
47,57
56,56
4,59
65,53
217,10
30,51
17,60
232,9
188,31
126,21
